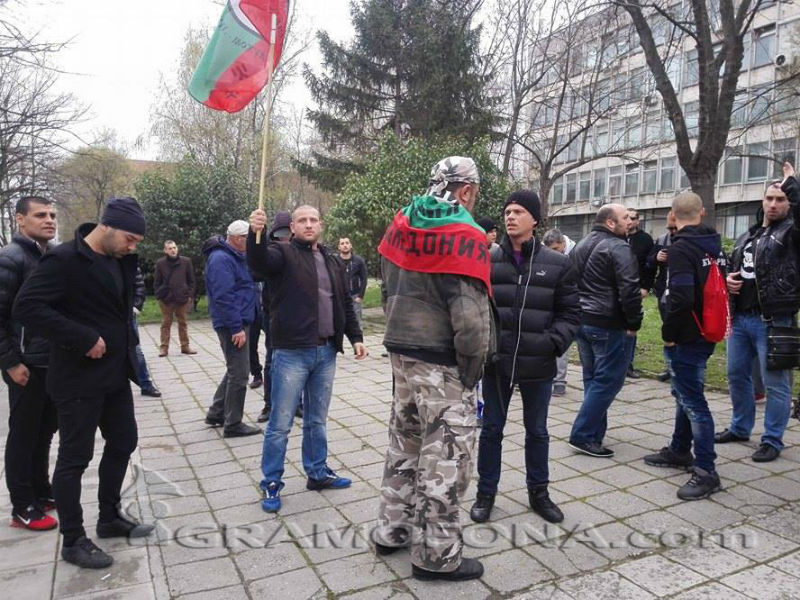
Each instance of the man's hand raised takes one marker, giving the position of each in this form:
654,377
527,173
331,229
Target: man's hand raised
258,220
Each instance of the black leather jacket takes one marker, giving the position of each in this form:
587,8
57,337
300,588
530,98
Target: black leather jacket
608,281
777,256
17,261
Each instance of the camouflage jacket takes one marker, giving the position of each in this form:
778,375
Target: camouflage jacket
440,318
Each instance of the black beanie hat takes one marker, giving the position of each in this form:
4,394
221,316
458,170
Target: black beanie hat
487,224
125,214
527,200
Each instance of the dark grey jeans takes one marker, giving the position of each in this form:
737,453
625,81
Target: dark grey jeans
229,398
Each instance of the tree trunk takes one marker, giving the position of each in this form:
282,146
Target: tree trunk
544,197
703,185
510,142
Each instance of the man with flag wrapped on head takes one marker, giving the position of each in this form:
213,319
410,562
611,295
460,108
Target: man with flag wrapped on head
435,263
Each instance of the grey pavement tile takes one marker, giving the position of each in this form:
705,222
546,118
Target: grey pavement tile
233,496
789,564
130,568
295,585
512,571
740,472
659,491
173,475
234,479
621,504
355,572
706,515
336,544
753,542
185,525
176,552
228,593
615,541
303,502
172,507
780,486
214,445
606,585
747,500
394,591
579,515
210,458
29,583
319,520
436,590
623,476
567,557
143,591
202,575
275,559
709,559
711,591
29,548
167,462
544,592
659,575
484,539
783,522
764,583
663,525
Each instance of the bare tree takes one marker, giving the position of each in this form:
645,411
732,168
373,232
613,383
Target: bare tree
717,31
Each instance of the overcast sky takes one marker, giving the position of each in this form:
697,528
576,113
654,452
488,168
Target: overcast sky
118,48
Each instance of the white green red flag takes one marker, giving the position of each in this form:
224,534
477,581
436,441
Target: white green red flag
234,67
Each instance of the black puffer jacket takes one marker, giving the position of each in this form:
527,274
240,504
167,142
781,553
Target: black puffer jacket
540,315
608,281
777,258
17,261
291,273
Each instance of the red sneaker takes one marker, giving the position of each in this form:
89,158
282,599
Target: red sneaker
33,518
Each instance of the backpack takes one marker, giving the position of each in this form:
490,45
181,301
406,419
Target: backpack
716,324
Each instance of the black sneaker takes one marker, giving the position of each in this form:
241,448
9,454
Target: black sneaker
240,430
592,449
559,390
482,508
667,457
664,377
726,436
86,555
263,416
256,383
765,453
542,505
153,392
470,568
122,527
633,373
701,485
215,422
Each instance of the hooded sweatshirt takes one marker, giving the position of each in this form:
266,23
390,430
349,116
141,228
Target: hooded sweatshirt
688,264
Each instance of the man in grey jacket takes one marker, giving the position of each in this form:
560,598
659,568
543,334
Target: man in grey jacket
611,305
436,271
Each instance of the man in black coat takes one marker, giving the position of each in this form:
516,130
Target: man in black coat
23,359
81,299
611,311
655,276
641,243
537,301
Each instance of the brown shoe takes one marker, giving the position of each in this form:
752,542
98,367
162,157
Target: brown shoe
162,352
188,350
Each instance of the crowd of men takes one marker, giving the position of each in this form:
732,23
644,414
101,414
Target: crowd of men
496,316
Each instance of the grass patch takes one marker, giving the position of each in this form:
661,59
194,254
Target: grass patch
152,314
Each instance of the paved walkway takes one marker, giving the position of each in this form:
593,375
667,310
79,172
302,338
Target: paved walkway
626,535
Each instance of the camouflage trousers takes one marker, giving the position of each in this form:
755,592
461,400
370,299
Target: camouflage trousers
432,432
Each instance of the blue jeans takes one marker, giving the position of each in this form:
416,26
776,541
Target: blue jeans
630,348
145,381
605,361
749,340
693,420
312,370
535,402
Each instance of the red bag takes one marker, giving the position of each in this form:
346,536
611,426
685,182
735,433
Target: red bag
716,325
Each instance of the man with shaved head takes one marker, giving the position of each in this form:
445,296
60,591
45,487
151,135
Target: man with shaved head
765,284
611,303
688,265
311,310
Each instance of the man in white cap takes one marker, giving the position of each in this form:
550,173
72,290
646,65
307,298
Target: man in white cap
232,304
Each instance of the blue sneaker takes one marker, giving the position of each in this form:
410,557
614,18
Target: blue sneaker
272,497
331,481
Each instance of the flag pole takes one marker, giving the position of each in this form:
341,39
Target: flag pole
267,115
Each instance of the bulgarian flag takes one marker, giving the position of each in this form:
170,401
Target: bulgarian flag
235,65
430,236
